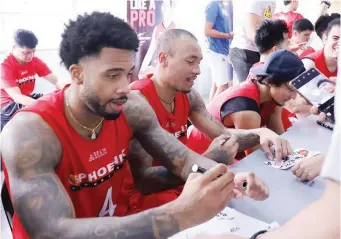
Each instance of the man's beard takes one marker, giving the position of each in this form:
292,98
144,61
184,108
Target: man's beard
95,107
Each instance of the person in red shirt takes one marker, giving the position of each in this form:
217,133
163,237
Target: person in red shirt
325,60
66,154
301,32
289,16
321,26
170,94
255,103
18,75
272,35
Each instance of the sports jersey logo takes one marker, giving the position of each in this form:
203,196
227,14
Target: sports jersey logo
170,124
95,178
23,73
97,154
182,132
26,80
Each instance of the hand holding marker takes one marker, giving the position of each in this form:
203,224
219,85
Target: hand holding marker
197,169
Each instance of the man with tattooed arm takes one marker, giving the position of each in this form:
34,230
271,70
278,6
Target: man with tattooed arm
169,92
65,156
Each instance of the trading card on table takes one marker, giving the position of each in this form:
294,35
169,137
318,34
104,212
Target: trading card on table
291,160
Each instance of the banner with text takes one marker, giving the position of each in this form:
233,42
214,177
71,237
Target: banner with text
149,18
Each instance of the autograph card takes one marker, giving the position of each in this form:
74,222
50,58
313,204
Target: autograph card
290,161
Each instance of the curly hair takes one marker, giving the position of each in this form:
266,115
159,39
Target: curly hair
89,33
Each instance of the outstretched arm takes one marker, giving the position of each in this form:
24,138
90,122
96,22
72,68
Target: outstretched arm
31,151
246,139
212,128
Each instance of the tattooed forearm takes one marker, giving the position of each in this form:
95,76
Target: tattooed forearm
157,179
202,119
31,152
212,128
245,138
149,179
169,151
154,223
45,212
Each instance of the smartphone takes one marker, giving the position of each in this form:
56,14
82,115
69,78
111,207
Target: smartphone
317,89
326,125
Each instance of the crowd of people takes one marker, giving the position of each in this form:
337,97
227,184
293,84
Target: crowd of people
104,157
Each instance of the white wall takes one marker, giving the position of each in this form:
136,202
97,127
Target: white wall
46,18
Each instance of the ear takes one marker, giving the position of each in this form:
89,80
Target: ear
77,74
273,49
163,59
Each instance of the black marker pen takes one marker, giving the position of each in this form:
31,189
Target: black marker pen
197,169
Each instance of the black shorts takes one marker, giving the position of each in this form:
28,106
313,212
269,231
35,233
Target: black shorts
8,110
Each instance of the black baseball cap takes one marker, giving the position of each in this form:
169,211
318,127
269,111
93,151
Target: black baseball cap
282,66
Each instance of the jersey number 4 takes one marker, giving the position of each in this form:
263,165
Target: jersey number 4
108,206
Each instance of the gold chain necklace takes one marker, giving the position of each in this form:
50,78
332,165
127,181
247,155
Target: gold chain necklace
93,135
171,104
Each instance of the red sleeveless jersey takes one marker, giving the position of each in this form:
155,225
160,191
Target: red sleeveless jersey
91,171
175,124
320,63
286,114
198,141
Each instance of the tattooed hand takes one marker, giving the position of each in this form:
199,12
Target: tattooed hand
223,149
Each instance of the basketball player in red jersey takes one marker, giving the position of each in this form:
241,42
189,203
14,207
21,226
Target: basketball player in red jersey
255,103
272,35
302,30
321,26
170,94
167,9
325,60
65,155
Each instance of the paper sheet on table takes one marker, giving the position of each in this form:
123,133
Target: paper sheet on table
229,221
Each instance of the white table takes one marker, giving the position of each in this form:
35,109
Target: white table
288,195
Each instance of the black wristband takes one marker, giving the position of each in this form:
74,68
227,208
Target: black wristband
258,233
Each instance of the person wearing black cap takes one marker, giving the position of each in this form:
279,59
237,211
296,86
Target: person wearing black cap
255,103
